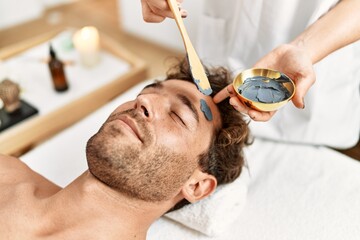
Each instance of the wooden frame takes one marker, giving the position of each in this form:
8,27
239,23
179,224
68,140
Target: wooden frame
23,136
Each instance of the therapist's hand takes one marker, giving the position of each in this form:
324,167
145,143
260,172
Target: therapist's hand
156,11
237,104
296,63
289,59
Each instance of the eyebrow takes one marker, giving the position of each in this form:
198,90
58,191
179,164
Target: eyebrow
184,99
156,85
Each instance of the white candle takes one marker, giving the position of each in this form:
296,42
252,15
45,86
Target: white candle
86,42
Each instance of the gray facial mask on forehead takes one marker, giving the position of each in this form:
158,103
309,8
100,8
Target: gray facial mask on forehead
206,110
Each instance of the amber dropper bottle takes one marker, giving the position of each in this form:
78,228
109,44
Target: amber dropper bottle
57,72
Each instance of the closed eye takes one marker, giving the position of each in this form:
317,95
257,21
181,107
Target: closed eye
178,118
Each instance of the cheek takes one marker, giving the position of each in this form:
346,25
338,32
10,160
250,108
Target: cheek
172,138
181,142
202,140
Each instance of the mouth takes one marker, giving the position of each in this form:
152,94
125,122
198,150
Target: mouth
130,125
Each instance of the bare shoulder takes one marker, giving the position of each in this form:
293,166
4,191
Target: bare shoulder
9,163
13,171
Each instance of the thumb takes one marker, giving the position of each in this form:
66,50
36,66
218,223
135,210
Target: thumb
302,87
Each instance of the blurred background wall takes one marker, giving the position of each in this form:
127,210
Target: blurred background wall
13,12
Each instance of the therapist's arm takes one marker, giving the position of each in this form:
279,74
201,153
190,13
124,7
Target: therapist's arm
336,29
156,11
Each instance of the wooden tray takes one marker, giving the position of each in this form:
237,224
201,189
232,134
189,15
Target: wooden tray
23,136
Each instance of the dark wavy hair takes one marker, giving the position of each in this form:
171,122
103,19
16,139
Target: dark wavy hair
224,159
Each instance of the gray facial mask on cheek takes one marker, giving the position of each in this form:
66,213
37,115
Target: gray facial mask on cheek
206,110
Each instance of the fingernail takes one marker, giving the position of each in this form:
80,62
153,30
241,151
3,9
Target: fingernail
303,103
184,13
232,103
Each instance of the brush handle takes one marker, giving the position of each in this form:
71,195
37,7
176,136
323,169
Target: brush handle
197,69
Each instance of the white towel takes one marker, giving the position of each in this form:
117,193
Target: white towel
295,192
213,215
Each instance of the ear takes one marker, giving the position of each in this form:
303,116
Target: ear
199,186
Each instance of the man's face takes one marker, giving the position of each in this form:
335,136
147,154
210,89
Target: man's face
150,146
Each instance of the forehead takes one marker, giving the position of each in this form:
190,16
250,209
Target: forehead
188,89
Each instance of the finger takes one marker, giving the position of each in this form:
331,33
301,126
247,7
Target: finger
183,11
302,87
253,114
162,8
149,15
156,15
224,93
163,13
238,105
161,5
260,116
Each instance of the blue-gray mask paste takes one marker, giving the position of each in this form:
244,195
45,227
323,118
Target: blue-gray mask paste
264,89
206,110
206,91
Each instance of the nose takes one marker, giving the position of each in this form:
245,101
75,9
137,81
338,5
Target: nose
144,107
152,106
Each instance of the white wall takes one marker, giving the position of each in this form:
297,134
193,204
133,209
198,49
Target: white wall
13,12
53,3
165,33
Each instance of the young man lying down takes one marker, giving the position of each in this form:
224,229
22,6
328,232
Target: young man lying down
168,147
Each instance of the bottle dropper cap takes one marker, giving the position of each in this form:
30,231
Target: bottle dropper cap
52,52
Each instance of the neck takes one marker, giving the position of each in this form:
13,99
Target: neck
89,204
